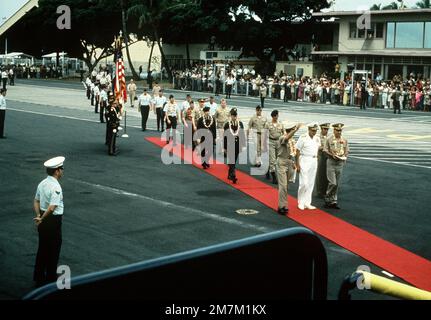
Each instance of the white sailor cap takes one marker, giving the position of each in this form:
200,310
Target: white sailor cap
312,125
54,163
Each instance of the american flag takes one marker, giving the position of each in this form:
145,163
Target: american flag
120,79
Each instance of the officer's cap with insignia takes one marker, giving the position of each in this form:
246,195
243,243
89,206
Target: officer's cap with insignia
54,163
325,125
233,112
338,126
313,125
289,126
201,100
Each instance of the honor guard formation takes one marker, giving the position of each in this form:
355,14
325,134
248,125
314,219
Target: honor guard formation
318,159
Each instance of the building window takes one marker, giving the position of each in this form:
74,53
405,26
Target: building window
375,32
379,30
427,44
408,35
352,31
390,35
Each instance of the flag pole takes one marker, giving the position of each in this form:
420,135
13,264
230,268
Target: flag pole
125,135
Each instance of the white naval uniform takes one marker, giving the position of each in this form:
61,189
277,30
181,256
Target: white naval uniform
308,148
49,193
213,108
144,100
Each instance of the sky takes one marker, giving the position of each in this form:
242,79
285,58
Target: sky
9,7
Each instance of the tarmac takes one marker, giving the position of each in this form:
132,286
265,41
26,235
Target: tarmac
130,208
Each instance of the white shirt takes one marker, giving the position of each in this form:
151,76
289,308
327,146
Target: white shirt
171,109
230,81
213,107
144,99
308,146
2,102
159,101
4,74
96,90
185,105
103,95
49,193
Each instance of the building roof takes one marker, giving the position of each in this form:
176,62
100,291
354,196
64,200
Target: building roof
329,14
15,55
30,4
387,53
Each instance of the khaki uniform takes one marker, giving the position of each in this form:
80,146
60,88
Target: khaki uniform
258,123
334,168
285,168
321,178
275,131
222,115
132,92
197,114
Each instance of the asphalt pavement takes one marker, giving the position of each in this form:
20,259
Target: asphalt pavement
132,208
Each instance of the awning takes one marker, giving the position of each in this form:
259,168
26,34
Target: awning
18,15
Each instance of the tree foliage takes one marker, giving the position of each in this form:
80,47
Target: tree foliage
424,4
93,25
254,26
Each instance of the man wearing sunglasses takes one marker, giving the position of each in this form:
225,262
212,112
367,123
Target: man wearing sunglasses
48,206
307,148
337,149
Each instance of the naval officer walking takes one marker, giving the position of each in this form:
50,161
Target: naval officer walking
48,207
307,148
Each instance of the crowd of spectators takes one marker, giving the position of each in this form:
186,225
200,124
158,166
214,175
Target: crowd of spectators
34,71
412,93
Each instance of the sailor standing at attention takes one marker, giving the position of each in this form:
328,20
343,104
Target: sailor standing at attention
48,207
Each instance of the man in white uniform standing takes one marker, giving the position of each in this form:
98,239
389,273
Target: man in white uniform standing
306,164
48,207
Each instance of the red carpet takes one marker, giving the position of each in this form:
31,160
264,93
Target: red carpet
396,260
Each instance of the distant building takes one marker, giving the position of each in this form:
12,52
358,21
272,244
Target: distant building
394,42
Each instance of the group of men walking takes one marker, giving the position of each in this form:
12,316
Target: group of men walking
319,159
312,156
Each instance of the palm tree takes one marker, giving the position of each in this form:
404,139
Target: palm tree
126,40
424,4
150,14
376,7
391,6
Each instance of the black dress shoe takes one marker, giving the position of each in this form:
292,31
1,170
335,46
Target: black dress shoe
335,206
234,180
283,211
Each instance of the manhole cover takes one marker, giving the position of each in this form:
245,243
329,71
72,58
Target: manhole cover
246,212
